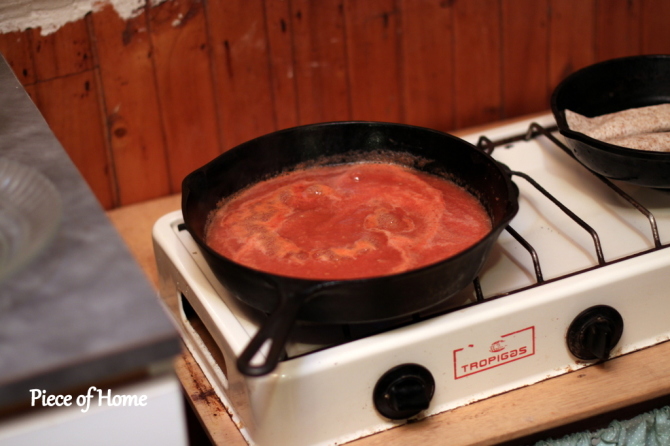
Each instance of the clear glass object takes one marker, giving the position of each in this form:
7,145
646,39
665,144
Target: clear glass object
30,214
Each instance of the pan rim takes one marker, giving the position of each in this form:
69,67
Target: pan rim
510,212
564,129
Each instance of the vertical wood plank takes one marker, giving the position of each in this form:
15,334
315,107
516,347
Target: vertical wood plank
63,52
655,29
617,28
571,37
15,48
131,106
374,68
427,63
525,59
320,60
477,62
277,63
185,86
242,73
79,129
280,38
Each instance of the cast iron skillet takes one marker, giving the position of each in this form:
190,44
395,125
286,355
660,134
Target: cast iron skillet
608,87
288,299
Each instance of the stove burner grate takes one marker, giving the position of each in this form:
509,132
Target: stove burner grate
536,130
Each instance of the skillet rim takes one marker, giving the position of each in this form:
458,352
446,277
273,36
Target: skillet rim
510,212
564,129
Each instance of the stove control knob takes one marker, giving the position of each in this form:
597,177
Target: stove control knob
404,391
594,333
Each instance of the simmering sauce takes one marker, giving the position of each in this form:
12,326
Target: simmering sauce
347,221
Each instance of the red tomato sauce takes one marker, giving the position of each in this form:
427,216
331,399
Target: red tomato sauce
346,222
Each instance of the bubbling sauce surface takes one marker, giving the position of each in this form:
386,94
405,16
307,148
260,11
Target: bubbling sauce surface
347,221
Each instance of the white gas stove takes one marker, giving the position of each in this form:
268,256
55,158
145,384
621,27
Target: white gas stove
587,245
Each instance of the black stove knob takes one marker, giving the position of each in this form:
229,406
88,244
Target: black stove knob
404,391
594,333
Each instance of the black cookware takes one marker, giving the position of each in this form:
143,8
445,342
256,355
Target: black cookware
288,299
608,87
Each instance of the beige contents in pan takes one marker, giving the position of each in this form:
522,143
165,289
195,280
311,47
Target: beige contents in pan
644,128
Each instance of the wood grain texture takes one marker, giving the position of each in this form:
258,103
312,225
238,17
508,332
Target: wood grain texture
320,54
284,86
206,404
61,53
131,106
426,64
618,28
525,42
185,86
187,79
655,33
372,33
571,37
82,138
242,72
477,62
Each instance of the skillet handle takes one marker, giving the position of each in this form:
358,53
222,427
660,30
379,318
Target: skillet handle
275,330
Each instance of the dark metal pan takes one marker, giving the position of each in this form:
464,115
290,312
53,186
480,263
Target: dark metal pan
608,87
290,299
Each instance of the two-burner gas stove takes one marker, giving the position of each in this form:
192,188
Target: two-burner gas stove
580,276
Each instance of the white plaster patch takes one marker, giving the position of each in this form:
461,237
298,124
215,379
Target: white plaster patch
50,15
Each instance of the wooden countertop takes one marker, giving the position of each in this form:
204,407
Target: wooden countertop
584,394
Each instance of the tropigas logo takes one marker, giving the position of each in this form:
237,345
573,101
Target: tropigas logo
507,348
497,346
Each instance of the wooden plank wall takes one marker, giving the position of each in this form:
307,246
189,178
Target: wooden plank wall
140,103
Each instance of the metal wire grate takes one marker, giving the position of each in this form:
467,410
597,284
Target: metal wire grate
534,131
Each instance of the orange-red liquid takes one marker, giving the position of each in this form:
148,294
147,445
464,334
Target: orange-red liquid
346,222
